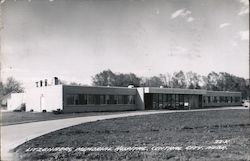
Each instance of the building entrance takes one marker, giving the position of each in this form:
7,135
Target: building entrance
156,101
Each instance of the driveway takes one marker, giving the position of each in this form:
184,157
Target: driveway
14,135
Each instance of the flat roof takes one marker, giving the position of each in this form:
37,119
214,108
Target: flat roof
107,87
174,90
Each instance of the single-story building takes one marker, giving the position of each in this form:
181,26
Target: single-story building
70,98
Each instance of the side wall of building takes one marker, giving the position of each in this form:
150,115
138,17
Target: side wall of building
47,98
221,98
15,100
87,99
140,102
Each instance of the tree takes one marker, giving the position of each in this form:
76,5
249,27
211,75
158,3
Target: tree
75,84
164,80
212,81
108,78
153,82
125,80
12,86
179,80
1,89
193,80
104,78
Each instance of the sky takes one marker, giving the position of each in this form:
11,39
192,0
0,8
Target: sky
74,40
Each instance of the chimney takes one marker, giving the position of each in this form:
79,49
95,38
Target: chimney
41,83
55,81
45,82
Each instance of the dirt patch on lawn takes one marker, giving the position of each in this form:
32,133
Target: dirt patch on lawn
207,135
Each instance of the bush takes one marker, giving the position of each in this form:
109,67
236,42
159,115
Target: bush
58,111
44,111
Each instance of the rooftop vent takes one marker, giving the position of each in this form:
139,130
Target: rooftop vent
41,83
45,82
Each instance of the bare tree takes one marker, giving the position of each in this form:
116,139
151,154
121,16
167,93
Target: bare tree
12,86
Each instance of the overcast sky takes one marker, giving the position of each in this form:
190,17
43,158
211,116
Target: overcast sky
76,39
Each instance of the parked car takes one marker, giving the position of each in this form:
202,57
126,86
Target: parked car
246,103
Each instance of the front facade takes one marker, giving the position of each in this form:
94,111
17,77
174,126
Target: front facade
86,99
89,98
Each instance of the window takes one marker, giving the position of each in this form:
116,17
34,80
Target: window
120,99
226,99
102,99
94,99
237,99
131,99
125,99
112,99
221,99
115,99
208,99
90,99
215,99
181,99
82,99
70,99
107,99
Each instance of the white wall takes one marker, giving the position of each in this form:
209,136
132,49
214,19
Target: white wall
44,98
15,100
140,99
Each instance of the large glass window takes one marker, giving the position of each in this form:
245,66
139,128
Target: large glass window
222,99
82,99
131,100
237,99
155,101
181,99
96,99
107,99
208,99
160,101
102,99
120,99
91,99
70,99
226,99
125,99
186,101
215,99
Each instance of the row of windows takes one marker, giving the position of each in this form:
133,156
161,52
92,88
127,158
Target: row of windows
91,99
222,99
174,100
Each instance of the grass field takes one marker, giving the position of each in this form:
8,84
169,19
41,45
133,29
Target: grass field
170,136
10,118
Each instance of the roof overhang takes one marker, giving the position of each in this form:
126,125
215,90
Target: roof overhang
174,91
